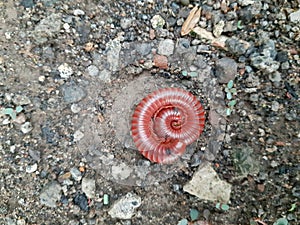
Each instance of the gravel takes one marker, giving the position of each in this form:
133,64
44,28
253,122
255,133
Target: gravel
72,73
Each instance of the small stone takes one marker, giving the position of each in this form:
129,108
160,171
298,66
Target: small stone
72,93
166,47
157,21
20,119
275,106
105,75
246,2
26,127
31,168
126,23
21,100
125,207
78,135
185,2
160,61
253,97
88,186
206,184
295,16
92,70
50,194
75,108
78,12
82,201
65,71
76,174
35,155
275,77
121,171
226,69
218,28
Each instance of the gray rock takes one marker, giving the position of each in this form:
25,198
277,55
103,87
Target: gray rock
72,93
125,207
121,171
236,46
206,184
92,70
113,48
275,77
47,28
26,127
295,16
226,70
264,62
76,174
253,97
166,47
143,48
88,186
245,162
21,100
65,71
275,106
50,194
126,23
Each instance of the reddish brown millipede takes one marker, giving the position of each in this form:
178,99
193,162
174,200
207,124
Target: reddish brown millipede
165,122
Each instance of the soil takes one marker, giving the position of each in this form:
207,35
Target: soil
76,70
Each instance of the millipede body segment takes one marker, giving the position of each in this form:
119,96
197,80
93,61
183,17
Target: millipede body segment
165,122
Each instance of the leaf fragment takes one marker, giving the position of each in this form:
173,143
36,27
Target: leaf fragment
191,21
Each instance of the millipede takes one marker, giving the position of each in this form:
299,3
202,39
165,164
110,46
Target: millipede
165,122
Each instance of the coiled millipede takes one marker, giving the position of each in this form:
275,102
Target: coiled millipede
165,122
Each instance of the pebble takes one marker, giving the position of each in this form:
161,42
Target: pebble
78,12
126,23
206,184
50,194
236,46
275,106
275,77
121,171
31,168
88,186
21,100
113,48
143,48
185,2
157,21
125,207
160,61
65,71
76,174
226,69
166,47
26,127
78,135
72,93
253,97
264,62
81,200
92,70
295,16
75,108
218,28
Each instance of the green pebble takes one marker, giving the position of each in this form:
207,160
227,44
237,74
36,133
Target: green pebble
232,103
193,74
105,199
19,109
183,222
228,95
230,84
224,207
194,214
184,73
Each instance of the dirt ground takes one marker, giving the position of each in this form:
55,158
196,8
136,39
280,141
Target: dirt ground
71,74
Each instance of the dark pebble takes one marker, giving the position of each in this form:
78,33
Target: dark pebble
81,200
